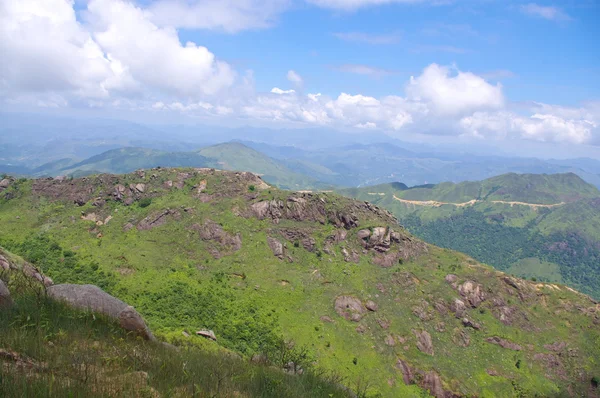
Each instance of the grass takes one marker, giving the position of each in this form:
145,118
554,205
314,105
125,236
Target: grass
254,301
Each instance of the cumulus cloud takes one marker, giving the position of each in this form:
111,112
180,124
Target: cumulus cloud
547,12
46,49
228,15
277,90
454,95
538,127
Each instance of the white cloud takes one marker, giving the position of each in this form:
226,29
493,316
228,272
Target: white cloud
538,127
368,38
277,90
228,15
454,95
154,56
46,49
295,78
546,12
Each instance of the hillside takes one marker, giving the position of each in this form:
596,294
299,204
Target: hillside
227,156
48,348
336,282
536,226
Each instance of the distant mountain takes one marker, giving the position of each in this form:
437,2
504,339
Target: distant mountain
227,156
537,226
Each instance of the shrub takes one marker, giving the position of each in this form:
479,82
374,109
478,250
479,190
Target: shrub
145,202
251,188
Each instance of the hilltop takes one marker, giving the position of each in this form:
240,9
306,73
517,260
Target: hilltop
339,281
536,226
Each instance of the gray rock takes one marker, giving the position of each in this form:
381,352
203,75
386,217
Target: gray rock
424,343
5,299
207,333
276,247
92,298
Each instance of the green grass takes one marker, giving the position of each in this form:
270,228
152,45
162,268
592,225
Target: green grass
255,301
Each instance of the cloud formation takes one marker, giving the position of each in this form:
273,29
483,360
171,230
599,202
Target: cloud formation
120,56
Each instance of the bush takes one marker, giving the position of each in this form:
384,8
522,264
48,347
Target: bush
251,188
145,202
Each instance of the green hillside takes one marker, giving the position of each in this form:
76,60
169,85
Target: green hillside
332,283
228,156
507,221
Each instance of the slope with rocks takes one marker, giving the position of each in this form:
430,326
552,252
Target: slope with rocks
327,282
545,227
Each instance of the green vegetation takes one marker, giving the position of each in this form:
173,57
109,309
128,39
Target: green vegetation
553,244
49,349
198,256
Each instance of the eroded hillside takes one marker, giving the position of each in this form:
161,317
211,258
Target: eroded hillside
202,248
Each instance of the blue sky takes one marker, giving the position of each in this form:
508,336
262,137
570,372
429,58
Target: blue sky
470,69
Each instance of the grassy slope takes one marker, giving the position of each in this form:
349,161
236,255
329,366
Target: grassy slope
236,156
168,274
67,352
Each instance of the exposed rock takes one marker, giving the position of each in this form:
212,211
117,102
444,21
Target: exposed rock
326,319
384,323
350,256
458,307
350,308
140,187
556,347
4,184
389,340
421,311
127,227
5,299
440,327
473,292
361,328
363,234
371,305
469,323
451,278
503,343
90,297
387,260
157,219
4,264
209,334
131,320
553,364
461,337
276,247
212,232
492,372
433,383
201,186
407,373
424,343
293,368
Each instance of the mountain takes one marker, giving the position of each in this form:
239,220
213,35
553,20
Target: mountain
227,156
309,280
545,227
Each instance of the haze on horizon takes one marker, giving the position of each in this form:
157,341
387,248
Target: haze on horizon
521,77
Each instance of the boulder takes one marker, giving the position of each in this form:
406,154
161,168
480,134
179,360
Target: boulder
424,343
92,298
209,334
276,247
5,299
473,292
350,308
371,305
503,343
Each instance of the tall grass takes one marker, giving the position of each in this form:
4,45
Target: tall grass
60,352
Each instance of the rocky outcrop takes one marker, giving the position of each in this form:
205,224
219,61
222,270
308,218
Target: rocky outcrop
424,343
5,299
503,343
221,241
5,183
350,308
92,298
350,256
371,305
473,292
209,334
276,247
430,381
157,219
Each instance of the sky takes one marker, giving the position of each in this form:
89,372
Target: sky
484,70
